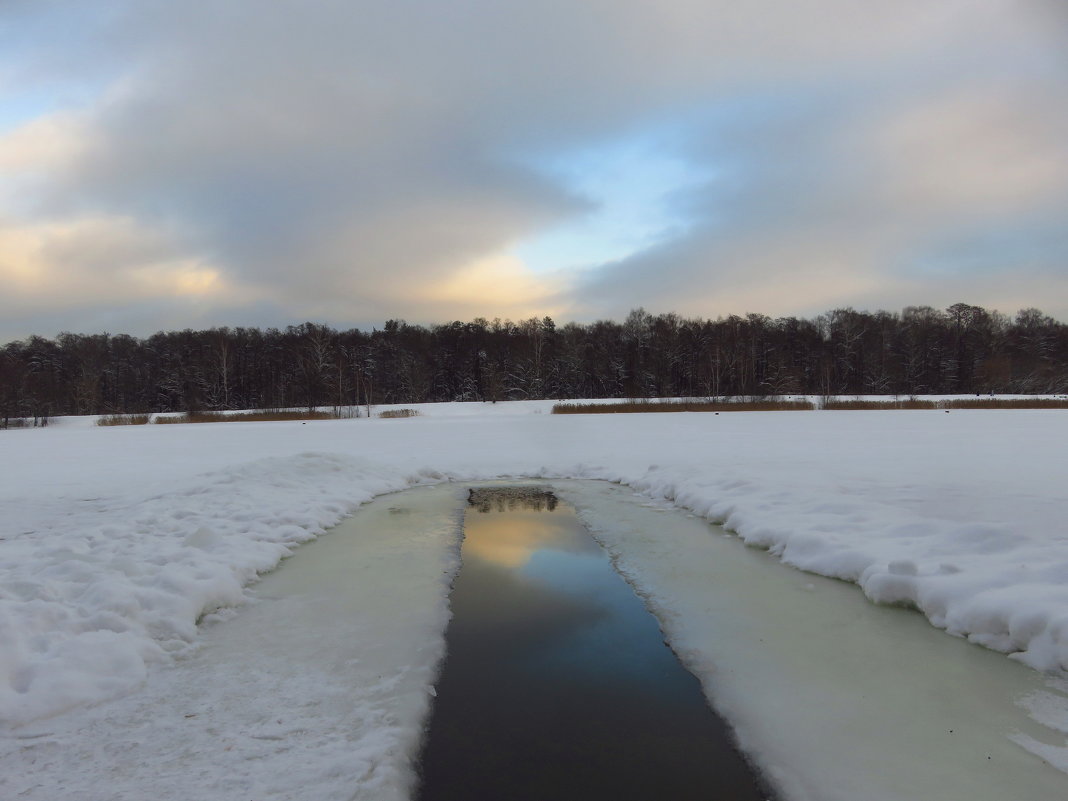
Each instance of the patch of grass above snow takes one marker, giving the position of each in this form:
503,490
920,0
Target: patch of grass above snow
833,404
124,420
245,417
683,406
398,413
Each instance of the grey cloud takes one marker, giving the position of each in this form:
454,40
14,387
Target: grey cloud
878,201
327,157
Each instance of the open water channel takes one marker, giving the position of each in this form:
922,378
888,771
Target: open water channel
557,682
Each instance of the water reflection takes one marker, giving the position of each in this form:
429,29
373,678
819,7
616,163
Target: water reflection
557,683
512,539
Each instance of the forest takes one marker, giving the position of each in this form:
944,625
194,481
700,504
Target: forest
921,350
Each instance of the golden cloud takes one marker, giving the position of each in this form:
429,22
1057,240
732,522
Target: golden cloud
500,284
45,142
111,258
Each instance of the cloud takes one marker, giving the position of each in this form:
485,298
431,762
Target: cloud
43,143
356,162
981,150
95,260
940,180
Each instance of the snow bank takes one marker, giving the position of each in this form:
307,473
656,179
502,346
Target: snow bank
316,691
834,698
115,541
997,584
89,599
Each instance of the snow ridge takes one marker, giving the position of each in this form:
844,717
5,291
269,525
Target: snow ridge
998,588
87,603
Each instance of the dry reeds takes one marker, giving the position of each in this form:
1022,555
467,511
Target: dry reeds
391,414
865,405
266,415
1004,403
123,419
946,403
630,407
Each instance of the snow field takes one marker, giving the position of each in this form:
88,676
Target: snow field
114,542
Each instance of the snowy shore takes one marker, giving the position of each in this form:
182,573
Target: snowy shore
114,542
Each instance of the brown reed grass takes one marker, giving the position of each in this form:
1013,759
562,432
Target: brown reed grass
123,419
390,414
850,405
1004,403
631,407
266,415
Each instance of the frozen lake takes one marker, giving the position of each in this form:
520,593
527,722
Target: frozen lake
319,688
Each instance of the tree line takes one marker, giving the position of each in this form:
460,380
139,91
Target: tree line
922,350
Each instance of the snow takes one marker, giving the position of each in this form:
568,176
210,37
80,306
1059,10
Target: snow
116,542
836,698
316,690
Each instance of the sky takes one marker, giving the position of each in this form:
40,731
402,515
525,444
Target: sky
187,165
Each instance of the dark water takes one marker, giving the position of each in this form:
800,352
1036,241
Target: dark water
557,684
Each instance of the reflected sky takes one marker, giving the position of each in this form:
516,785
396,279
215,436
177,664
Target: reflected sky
512,540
